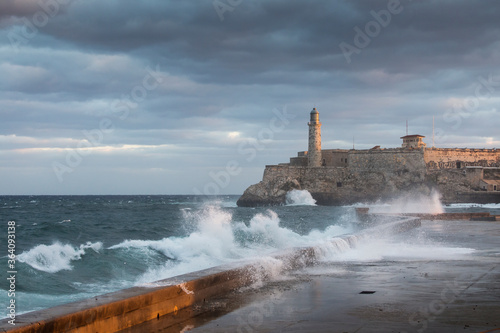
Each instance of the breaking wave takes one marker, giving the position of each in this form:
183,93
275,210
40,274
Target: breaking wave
56,257
300,198
218,239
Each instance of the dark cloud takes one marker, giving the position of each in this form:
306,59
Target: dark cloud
19,8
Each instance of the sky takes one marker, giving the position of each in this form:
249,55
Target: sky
196,97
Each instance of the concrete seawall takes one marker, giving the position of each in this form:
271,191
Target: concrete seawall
126,308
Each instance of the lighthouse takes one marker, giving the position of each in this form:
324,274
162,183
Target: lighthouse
314,151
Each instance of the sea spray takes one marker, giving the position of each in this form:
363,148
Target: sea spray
266,269
300,198
330,249
412,203
378,249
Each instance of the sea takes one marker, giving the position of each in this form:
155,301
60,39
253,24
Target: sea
69,248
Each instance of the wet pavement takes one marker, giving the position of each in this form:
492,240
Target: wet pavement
441,277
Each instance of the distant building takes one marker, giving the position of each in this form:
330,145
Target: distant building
413,141
490,184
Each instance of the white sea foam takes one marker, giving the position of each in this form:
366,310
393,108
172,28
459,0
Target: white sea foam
300,198
185,289
56,257
264,230
473,205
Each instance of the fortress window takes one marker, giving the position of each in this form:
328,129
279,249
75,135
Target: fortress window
458,165
339,184
324,162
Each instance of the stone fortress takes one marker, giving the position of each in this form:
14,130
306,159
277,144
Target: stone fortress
345,176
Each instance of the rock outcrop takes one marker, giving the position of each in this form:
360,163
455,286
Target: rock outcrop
268,193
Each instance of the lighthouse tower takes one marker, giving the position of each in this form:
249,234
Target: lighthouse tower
314,151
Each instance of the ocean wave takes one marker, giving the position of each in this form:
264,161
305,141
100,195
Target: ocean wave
56,257
217,239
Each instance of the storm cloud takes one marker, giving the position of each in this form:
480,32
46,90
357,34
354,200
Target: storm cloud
165,97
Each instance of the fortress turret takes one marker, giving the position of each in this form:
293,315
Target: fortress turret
413,141
314,151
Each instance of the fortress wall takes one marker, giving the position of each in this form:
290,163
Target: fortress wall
298,161
325,173
474,175
323,179
317,179
273,172
329,158
334,157
387,160
445,158
493,173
